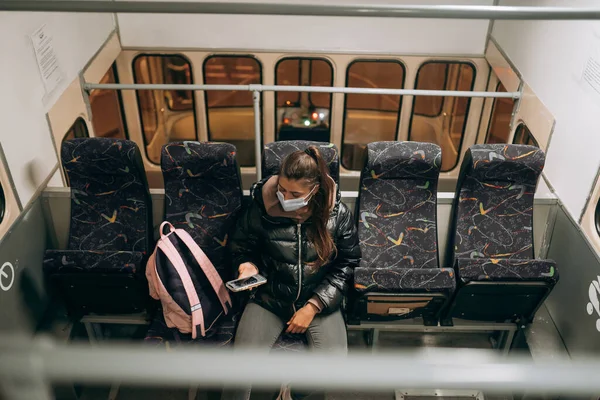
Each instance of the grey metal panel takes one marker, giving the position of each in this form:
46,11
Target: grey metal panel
158,209
578,266
541,214
24,302
57,210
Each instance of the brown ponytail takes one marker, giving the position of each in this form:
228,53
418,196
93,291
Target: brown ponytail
309,165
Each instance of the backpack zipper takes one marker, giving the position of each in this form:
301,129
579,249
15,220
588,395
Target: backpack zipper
299,226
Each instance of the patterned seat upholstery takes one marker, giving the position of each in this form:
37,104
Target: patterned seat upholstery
275,152
397,228
203,195
491,239
102,271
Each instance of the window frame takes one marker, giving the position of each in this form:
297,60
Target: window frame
467,111
533,139
206,108
399,113
120,97
596,217
2,203
493,109
137,97
115,73
445,83
276,130
79,119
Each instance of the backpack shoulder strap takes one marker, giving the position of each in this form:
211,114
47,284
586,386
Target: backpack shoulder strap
170,251
208,268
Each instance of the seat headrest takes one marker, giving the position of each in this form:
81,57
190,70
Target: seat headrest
275,152
403,160
101,157
504,162
198,160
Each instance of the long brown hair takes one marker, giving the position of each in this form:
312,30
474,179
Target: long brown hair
309,165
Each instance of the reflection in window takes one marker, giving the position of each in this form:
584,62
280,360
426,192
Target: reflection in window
107,112
166,115
438,119
370,117
2,203
231,113
523,136
77,130
303,116
499,126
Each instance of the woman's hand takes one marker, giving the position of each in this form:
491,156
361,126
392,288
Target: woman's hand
302,319
247,269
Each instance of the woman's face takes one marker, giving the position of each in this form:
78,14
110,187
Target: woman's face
295,189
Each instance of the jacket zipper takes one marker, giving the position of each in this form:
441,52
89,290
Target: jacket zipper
299,226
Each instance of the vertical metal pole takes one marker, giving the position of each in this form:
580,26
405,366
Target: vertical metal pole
513,120
510,336
375,340
257,134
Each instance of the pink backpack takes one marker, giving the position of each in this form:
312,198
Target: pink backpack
186,282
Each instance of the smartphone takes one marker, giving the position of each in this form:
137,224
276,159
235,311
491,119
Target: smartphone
249,282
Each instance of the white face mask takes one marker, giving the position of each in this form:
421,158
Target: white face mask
294,204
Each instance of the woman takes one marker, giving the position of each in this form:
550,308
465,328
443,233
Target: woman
300,236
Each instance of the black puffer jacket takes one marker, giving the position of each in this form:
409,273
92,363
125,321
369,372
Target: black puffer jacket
278,246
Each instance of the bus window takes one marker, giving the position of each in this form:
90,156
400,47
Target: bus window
107,109
303,116
77,130
166,115
523,136
231,113
442,120
499,126
370,117
2,203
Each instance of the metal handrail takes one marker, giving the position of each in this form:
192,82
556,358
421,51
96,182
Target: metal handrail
314,9
197,365
309,89
256,89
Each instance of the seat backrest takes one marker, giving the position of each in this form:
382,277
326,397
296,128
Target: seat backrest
275,152
111,207
493,206
398,205
203,195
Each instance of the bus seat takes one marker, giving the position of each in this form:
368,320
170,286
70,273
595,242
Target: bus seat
275,152
203,195
102,270
399,275
491,239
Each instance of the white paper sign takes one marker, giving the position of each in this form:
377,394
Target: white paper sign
48,64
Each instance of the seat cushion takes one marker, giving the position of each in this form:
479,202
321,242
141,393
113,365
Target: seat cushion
203,195
105,262
404,279
494,269
494,203
110,201
160,334
397,206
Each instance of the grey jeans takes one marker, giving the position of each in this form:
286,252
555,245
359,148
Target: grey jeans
259,329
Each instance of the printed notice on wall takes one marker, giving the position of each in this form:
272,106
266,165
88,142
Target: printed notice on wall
591,74
48,64
588,76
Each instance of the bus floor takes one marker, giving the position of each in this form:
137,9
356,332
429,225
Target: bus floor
387,340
